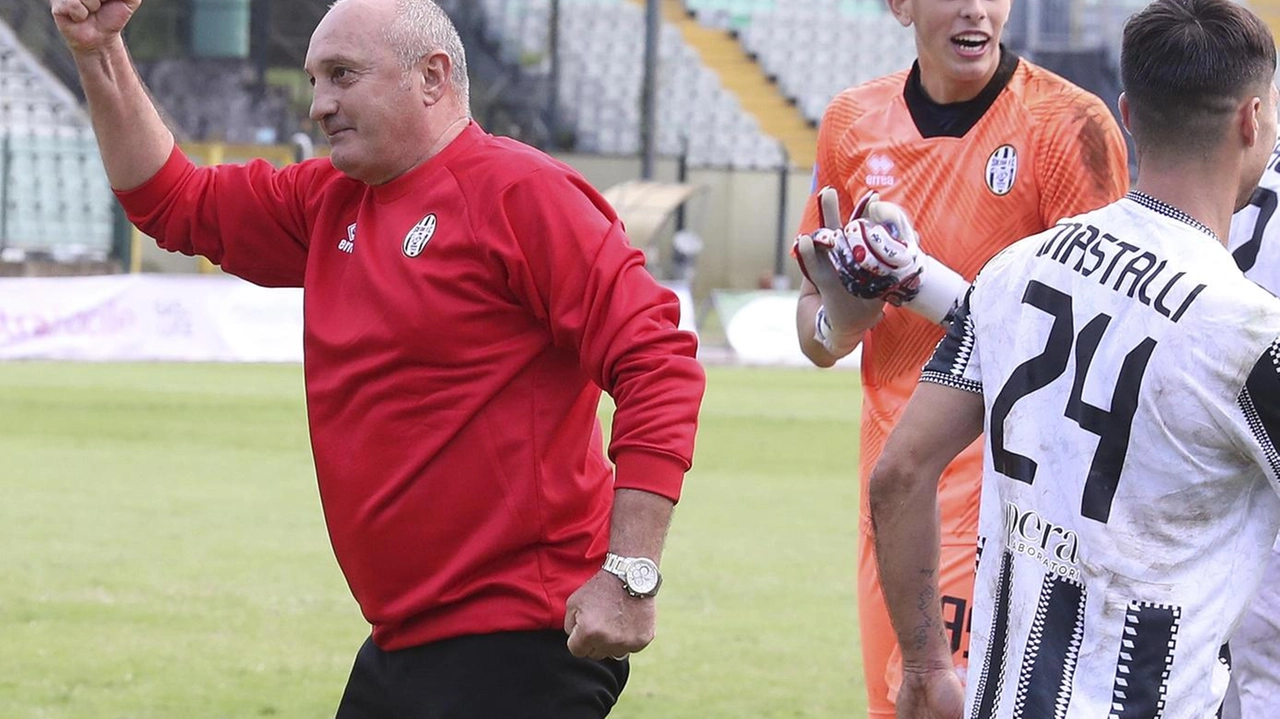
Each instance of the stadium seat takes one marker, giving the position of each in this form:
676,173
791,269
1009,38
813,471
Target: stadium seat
602,51
804,46
56,196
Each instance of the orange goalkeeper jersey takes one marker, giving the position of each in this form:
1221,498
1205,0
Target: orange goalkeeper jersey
1043,150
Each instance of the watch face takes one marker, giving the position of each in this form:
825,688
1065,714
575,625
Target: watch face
642,576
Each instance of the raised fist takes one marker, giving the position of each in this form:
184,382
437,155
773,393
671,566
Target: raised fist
87,24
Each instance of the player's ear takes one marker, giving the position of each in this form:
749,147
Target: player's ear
435,69
1249,120
1123,104
901,10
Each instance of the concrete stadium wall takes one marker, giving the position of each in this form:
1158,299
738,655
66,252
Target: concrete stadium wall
736,217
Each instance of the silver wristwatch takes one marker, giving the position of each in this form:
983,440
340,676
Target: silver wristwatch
639,575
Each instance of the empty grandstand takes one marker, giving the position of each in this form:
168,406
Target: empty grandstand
601,57
740,88
54,196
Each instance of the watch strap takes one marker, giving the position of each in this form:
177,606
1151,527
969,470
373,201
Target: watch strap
616,564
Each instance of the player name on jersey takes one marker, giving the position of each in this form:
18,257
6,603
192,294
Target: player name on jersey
1097,255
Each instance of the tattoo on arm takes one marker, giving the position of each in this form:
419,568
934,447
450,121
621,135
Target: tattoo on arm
925,600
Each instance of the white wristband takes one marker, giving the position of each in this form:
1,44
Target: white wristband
822,328
941,292
825,334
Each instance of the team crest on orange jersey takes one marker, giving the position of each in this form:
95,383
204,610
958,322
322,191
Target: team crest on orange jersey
1002,169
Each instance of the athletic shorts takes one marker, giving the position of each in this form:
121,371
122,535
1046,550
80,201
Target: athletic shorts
510,675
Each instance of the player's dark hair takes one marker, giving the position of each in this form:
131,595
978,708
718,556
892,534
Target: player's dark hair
1187,64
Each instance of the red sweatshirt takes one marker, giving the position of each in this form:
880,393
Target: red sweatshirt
460,322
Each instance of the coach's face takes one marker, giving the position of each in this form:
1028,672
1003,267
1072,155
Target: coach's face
362,98
957,42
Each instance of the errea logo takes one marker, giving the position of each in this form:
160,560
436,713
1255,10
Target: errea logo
416,241
880,171
348,243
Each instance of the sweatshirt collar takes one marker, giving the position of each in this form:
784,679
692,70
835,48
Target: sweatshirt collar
400,186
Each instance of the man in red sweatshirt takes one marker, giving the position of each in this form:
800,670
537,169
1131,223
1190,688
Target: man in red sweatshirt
467,299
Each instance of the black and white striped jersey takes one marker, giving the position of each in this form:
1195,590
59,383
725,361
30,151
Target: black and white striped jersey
1255,663
1131,379
1255,230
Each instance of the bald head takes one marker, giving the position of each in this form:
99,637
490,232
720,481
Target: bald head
413,29
385,77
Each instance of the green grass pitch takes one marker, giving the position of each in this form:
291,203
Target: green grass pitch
162,552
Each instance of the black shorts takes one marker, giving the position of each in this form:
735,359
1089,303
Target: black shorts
511,675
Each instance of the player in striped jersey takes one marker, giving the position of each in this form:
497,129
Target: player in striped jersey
1127,376
982,148
1255,647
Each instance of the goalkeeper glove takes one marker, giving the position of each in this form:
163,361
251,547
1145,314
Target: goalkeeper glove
878,256
836,325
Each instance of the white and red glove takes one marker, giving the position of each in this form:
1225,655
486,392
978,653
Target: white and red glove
873,263
878,256
836,324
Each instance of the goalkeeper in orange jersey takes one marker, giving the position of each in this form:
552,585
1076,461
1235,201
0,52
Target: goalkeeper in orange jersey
980,148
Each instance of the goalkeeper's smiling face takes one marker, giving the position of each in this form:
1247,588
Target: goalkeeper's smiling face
958,43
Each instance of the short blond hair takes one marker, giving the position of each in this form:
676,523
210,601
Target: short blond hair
421,27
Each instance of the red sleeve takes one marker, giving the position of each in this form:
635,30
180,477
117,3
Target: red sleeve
1082,159
249,219
577,271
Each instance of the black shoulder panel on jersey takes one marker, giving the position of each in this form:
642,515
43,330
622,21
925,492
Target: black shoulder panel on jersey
952,355
1260,400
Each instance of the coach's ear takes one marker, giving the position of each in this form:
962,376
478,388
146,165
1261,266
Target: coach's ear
435,68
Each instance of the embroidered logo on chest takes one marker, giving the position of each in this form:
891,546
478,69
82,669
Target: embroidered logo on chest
880,171
416,241
1002,169
348,243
